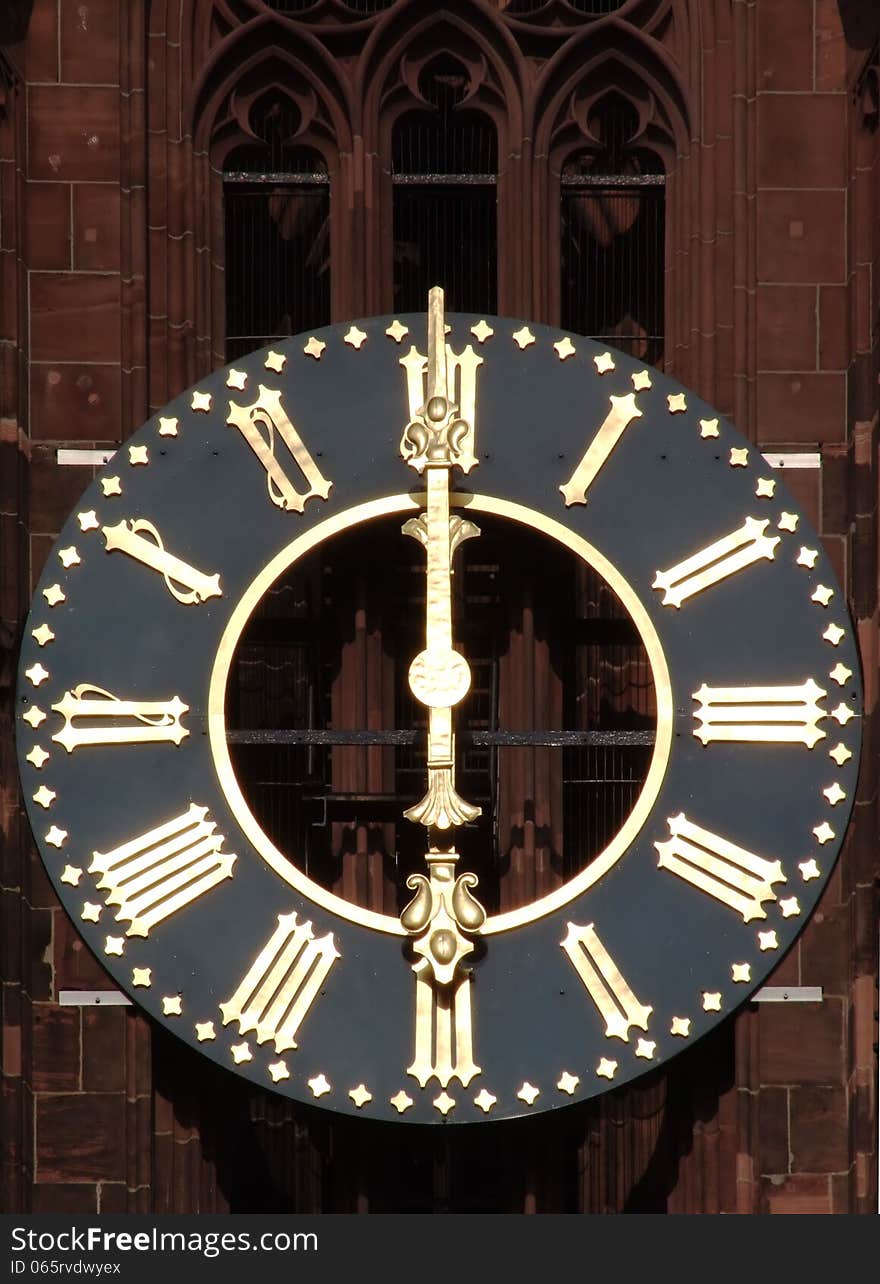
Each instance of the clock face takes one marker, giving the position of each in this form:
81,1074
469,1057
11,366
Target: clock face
214,908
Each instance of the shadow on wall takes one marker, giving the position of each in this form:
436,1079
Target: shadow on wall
861,22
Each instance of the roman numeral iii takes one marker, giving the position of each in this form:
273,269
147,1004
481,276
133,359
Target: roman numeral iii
735,877
783,715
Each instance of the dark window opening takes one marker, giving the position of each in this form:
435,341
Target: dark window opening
277,214
613,238
444,171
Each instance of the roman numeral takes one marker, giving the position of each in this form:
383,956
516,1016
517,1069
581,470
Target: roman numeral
113,721
130,536
263,425
282,983
717,561
461,374
623,412
731,874
163,870
444,1037
784,715
615,1001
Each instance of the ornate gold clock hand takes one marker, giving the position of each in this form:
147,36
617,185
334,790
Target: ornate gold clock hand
439,676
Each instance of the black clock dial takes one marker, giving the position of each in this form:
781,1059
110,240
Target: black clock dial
222,928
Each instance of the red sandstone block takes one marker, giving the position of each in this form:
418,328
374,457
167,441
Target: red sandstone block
801,140
47,225
40,548
75,403
55,1048
73,132
786,317
103,1049
80,1137
90,42
785,45
802,408
830,47
37,925
53,490
41,50
56,1197
773,1146
801,237
797,1194
788,970
96,227
825,947
74,317
834,342
819,1132
801,1043
76,967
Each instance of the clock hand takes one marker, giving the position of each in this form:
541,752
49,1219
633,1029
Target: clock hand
439,676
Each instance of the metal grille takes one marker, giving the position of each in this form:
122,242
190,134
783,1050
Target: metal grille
612,240
444,171
301,6
590,8
277,214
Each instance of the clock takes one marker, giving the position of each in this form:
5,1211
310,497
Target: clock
447,1005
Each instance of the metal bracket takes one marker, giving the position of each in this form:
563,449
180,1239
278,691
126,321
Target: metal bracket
80,456
788,994
93,999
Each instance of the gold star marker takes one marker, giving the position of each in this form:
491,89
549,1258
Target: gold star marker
168,426
34,716
444,1103
677,403
236,379
485,1101
839,674
142,976
833,634
822,594
681,1026
604,363
205,1031
765,488
709,428
396,331
740,971
355,337
529,1093
606,1069
523,337
45,797
319,1085
88,521
767,941
807,557
840,754
201,401
241,1052
54,594
568,1082
809,870
91,912
172,1005
788,521
314,348
43,634
401,1101
565,348
842,713
275,361
37,674
645,1048
824,833
37,757
138,455
739,457
111,486
278,1070
69,557
711,1001
360,1095
641,380
114,945
790,907
71,875
481,331
57,837
833,793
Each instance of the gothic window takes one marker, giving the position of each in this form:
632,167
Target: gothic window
277,214
612,236
444,172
